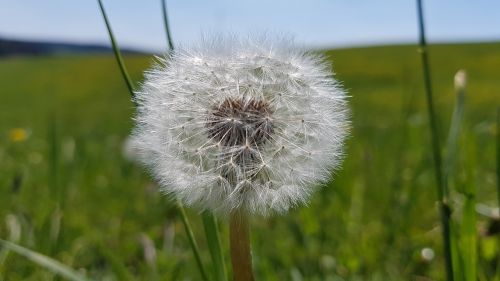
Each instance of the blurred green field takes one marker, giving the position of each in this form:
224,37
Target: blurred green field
67,191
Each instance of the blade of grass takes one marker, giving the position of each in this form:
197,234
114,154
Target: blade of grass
214,245
442,190
192,242
165,22
468,230
456,122
44,261
467,234
463,256
209,222
116,51
468,239
130,86
458,262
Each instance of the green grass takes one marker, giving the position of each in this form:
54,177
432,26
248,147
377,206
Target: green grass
371,223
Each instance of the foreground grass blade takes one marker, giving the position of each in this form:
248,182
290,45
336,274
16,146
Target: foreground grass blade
442,190
214,245
165,22
116,50
456,122
467,240
209,222
130,86
192,242
44,261
460,237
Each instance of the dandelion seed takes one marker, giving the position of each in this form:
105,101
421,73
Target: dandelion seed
248,124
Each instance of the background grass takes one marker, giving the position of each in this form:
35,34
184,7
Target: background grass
73,196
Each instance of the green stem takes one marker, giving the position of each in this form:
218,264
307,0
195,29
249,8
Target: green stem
165,21
442,189
214,245
192,241
210,230
130,87
116,50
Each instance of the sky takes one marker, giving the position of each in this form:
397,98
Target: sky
314,23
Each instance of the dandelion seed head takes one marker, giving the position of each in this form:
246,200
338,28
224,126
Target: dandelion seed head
246,123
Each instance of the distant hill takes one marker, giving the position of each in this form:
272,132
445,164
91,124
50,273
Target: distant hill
9,47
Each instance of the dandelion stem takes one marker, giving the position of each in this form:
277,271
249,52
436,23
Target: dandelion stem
165,21
192,241
116,50
442,189
239,237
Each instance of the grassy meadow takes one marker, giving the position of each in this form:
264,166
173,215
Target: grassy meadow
68,192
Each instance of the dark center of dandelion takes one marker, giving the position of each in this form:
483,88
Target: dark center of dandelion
241,122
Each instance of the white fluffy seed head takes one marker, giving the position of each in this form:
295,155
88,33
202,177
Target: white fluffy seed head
245,123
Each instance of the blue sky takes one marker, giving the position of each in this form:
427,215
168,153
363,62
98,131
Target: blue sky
314,23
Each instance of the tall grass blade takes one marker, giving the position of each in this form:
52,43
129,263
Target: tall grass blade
462,256
44,261
456,122
442,190
214,245
192,242
130,86
458,262
467,252
165,22
468,237
116,50
209,221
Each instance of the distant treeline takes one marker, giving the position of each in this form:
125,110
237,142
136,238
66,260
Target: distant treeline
9,47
